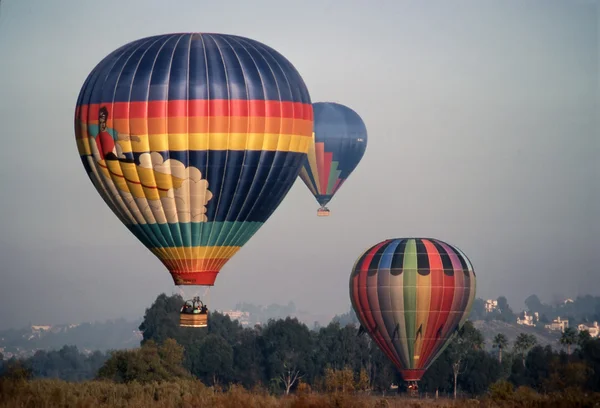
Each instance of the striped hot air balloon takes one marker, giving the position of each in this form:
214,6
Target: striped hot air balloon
340,141
193,140
412,295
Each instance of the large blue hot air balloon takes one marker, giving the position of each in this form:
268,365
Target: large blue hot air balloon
193,140
340,141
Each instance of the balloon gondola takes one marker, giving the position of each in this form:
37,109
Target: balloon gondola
194,313
323,212
412,295
339,143
193,140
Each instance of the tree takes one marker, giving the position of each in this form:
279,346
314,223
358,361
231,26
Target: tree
148,363
468,338
583,337
248,360
534,304
286,345
500,342
161,320
363,382
523,343
477,310
568,338
211,359
289,376
506,313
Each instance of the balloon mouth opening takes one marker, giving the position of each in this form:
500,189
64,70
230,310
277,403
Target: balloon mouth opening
412,374
204,278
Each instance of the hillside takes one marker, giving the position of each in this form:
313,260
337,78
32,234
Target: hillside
87,337
491,328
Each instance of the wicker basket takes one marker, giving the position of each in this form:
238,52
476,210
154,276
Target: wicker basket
193,319
323,212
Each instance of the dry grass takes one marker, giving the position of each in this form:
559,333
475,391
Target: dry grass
191,393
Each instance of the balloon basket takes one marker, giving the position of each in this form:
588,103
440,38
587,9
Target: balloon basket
193,320
413,389
323,212
193,314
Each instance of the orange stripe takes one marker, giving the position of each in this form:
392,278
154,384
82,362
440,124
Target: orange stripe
320,153
199,107
214,124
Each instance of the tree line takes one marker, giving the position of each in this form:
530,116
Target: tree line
285,356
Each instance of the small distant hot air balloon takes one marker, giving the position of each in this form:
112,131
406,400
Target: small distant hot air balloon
411,295
193,140
340,141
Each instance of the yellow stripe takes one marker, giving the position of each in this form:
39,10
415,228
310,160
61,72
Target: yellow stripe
423,305
312,161
216,141
83,146
209,141
200,252
304,176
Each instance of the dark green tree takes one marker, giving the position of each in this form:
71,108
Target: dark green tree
568,338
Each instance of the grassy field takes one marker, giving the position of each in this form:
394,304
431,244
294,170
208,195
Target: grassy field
186,393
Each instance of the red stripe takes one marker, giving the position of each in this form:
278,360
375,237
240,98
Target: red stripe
319,156
338,184
199,107
364,305
447,299
435,304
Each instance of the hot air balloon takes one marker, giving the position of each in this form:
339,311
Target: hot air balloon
340,141
411,295
193,140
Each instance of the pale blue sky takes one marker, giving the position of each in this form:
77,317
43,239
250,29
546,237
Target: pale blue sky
483,131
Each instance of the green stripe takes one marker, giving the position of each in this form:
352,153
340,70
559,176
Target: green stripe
409,266
191,234
333,172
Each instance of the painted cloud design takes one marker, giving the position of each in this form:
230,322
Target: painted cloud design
187,203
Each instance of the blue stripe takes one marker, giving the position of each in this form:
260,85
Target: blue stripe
192,234
388,254
193,66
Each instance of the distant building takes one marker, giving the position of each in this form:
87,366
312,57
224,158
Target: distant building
567,301
594,330
40,328
558,324
528,320
242,317
491,305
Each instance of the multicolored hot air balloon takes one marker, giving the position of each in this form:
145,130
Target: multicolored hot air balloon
193,140
340,141
412,295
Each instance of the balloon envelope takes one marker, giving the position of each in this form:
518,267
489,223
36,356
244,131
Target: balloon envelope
340,141
193,140
411,295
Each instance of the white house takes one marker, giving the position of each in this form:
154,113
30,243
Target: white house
594,330
528,320
558,324
491,305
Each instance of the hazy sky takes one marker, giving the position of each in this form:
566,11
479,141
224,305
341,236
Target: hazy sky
483,121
